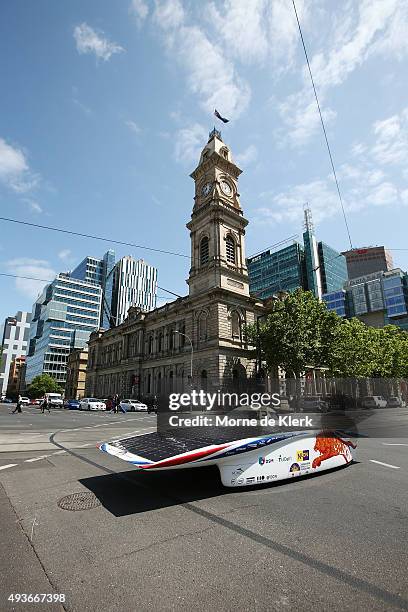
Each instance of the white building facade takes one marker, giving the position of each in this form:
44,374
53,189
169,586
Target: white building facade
134,284
14,344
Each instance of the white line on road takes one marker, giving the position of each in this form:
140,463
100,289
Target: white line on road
394,444
4,467
36,459
394,467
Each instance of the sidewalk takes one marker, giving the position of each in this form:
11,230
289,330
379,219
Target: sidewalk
20,568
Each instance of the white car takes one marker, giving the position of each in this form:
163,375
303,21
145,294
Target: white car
374,401
25,401
132,405
91,403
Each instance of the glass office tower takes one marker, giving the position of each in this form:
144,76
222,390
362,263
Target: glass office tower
313,266
63,317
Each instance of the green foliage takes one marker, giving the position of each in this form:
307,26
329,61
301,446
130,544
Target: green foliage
44,383
299,332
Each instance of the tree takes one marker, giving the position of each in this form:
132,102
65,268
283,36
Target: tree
298,332
44,383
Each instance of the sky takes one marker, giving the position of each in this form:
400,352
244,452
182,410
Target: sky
106,104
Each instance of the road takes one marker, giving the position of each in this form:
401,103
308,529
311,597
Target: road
179,540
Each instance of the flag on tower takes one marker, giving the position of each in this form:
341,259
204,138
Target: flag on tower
223,119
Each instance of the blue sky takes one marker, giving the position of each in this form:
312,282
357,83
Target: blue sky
105,106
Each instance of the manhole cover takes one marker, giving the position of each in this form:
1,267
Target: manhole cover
79,501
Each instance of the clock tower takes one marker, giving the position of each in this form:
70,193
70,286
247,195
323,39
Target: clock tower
217,225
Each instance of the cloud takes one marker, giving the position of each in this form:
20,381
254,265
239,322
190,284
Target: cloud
133,127
256,31
357,32
15,172
37,268
391,144
65,255
210,75
248,156
189,142
33,205
89,40
140,9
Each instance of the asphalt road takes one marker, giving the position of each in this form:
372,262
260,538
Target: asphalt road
179,540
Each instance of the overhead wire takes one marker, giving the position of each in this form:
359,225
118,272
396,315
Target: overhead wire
323,126
93,237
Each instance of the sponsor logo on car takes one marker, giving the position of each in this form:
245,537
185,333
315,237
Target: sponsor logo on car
240,481
305,466
271,476
260,478
263,460
281,458
250,480
302,455
237,471
294,468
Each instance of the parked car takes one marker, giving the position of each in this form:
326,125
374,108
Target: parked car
91,403
25,401
313,404
373,401
132,405
395,402
35,402
7,400
72,404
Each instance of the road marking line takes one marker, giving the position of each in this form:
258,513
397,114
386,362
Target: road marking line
394,467
36,459
394,444
4,467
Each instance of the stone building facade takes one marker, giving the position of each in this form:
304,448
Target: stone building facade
76,374
200,336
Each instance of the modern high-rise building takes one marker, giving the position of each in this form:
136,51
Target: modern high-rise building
63,317
314,266
134,284
128,282
100,272
14,344
368,260
377,299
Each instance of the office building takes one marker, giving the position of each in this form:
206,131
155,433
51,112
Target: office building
14,381
134,284
14,344
99,272
363,261
76,374
313,266
63,317
377,299
128,282
272,271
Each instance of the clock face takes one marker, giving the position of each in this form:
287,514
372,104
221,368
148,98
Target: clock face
226,187
206,189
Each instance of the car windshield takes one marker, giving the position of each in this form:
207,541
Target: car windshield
93,399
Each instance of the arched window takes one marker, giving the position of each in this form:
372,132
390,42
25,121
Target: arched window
204,251
150,344
235,325
202,326
160,342
230,249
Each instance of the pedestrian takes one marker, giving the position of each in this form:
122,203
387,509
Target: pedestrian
45,406
109,404
18,405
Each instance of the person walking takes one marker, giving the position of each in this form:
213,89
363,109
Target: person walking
45,406
18,405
